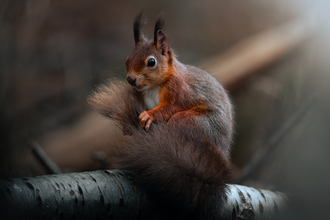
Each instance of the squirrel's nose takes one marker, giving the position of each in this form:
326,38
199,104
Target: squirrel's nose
131,80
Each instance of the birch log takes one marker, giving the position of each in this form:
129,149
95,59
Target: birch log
111,194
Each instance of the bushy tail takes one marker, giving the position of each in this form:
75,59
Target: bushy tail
118,101
183,172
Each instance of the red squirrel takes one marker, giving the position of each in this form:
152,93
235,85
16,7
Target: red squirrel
178,123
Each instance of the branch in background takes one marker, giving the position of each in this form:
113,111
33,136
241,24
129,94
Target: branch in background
44,159
112,195
260,156
233,67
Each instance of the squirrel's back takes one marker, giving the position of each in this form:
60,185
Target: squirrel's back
219,121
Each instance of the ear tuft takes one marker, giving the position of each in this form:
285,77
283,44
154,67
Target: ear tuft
160,23
137,25
160,39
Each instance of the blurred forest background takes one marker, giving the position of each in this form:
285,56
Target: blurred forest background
54,53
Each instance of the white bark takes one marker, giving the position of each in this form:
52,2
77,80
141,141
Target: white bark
250,203
110,194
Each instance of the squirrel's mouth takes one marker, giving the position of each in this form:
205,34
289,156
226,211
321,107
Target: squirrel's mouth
140,87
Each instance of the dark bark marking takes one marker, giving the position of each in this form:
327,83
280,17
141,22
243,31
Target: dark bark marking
261,208
30,186
248,195
253,189
71,192
247,214
121,199
261,193
58,186
120,174
101,195
39,200
56,190
237,207
82,195
121,185
93,178
25,179
80,191
241,195
108,173
233,214
63,185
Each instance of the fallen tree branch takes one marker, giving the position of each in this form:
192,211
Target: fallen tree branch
43,158
260,156
111,194
233,67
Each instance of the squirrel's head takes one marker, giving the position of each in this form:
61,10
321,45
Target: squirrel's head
150,62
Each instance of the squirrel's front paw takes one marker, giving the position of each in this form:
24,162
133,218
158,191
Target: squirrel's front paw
146,119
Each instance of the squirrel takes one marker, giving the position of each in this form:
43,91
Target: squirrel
177,122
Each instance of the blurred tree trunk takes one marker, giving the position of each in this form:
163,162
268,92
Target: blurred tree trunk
113,195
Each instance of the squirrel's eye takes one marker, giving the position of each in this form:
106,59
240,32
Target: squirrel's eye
151,62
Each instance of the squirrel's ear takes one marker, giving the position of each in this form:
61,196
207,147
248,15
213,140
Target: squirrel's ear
137,25
161,42
160,39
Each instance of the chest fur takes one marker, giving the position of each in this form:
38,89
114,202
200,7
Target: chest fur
151,98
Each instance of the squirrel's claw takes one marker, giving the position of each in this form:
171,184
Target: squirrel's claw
146,120
147,126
